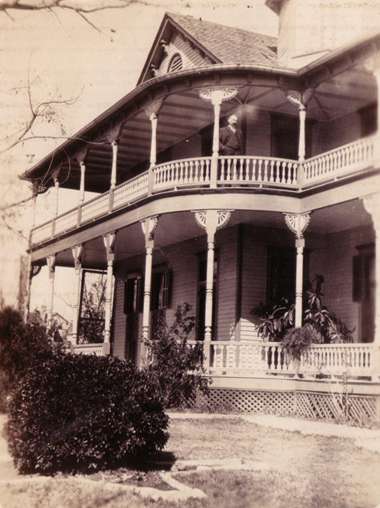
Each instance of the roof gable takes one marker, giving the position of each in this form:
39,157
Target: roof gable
216,43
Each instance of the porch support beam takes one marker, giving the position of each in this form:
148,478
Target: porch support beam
216,96
148,227
50,260
297,223
210,221
152,113
109,243
77,255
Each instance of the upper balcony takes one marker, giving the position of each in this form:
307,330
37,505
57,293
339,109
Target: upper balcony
302,130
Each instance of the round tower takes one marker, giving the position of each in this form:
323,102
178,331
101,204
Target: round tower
308,29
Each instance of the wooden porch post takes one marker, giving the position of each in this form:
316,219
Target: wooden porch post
297,223
372,205
216,96
82,166
210,221
152,113
51,267
77,253
56,201
114,145
148,226
109,242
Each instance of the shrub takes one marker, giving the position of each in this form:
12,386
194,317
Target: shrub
83,413
21,345
298,339
176,365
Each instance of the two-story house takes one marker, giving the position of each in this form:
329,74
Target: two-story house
177,220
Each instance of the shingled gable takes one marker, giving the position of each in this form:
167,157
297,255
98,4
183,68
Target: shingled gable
216,43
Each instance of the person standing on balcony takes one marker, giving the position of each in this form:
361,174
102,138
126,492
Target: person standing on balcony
231,138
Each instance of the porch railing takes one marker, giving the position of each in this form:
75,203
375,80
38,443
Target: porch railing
256,358
231,171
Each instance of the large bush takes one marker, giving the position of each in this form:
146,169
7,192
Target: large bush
176,365
82,413
21,345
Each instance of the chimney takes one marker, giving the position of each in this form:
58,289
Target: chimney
310,29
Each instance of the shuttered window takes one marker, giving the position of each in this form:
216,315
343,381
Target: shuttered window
176,63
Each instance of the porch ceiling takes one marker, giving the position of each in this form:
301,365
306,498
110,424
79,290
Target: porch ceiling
174,228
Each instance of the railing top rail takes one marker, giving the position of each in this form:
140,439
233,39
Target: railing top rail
182,160
258,157
339,148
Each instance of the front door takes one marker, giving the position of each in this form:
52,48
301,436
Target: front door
132,307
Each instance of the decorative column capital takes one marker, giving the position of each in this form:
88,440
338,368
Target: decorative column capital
148,227
152,109
299,98
217,95
212,220
81,155
372,64
297,223
77,255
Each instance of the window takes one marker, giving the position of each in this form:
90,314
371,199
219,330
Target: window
92,307
175,63
282,273
363,289
133,294
161,288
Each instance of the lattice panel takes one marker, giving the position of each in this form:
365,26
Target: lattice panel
356,409
248,401
335,406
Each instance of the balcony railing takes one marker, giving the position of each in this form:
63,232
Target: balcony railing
238,171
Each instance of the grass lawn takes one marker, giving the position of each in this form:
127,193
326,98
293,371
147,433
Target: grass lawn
277,469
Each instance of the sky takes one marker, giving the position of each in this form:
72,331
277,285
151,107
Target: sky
58,55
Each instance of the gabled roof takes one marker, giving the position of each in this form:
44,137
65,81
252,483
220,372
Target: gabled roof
221,43
230,45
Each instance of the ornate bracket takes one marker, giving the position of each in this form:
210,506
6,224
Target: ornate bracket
297,223
212,220
298,98
35,270
218,95
371,204
109,244
148,227
77,254
81,154
152,109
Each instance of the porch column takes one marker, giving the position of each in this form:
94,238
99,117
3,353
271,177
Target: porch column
148,227
109,242
152,113
51,268
77,254
56,201
297,223
216,96
114,145
30,265
82,166
210,221
372,205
